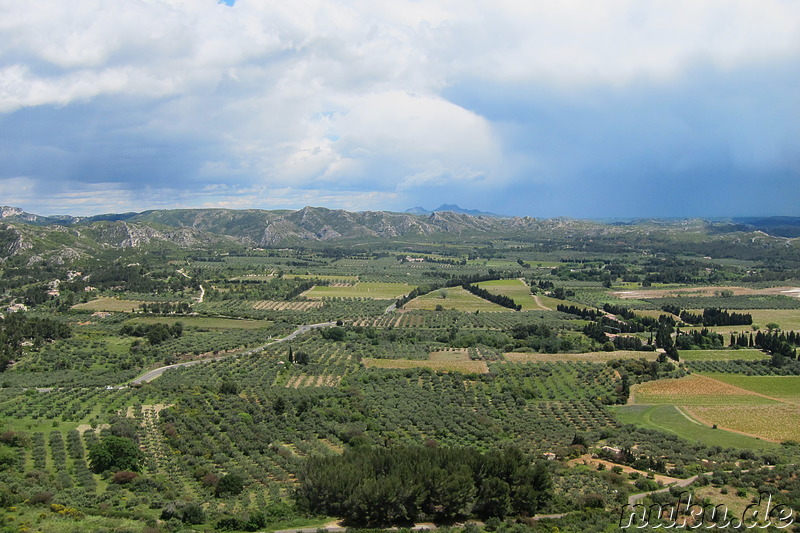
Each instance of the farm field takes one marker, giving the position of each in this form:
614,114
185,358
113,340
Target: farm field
722,355
756,406
114,305
591,357
464,367
204,323
694,390
287,306
787,319
550,303
454,298
515,289
776,423
705,291
782,387
447,372
670,418
449,355
373,290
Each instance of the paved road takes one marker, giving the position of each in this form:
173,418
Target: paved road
153,374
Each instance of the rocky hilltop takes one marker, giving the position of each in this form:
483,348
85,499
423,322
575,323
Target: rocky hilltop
63,238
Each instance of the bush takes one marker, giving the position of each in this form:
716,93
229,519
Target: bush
186,512
41,498
123,477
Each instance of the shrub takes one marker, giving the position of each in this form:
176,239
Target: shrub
41,498
124,477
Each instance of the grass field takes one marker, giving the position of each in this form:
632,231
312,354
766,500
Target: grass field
721,355
110,304
670,419
694,390
456,298
465,367
590,357
514,289
777,423
551,303
376,291
783,387
204,323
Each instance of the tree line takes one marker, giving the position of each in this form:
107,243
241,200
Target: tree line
711,316
583,312
401,485
166,308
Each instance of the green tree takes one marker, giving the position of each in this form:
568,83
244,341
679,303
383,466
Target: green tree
494,498
115,454
230,484
228,387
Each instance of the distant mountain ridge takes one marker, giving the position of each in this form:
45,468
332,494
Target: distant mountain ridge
61,239
453,208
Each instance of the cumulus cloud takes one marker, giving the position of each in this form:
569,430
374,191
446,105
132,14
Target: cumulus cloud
389,99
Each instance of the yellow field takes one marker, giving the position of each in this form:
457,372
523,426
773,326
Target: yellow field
590,357
759,406
110,304
465,367
455,298
694,390
776,423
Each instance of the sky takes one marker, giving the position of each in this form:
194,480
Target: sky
617,108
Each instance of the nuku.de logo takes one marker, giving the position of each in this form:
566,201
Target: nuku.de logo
684,514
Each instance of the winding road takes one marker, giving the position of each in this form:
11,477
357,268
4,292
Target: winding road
156,372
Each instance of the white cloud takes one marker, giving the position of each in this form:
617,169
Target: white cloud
322,95
159,47
82,199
